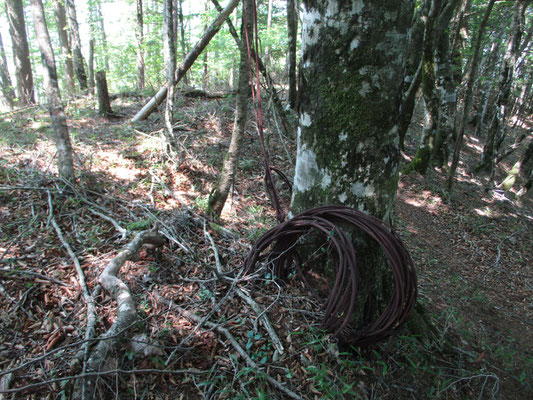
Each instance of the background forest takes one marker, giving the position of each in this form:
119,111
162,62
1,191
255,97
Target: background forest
133,189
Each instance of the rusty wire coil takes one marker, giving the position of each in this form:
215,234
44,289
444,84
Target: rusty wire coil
341,300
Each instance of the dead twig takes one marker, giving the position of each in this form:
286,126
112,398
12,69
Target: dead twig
191,371
261,315
117,226
4,291
87,297
9,271
251,363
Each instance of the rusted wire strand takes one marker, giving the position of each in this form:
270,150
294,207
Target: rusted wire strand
279,247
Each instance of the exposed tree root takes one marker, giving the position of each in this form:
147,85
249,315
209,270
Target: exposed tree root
126,313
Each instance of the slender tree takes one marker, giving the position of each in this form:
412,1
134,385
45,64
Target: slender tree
497,128
66,51
140,44
205,77
220,192
169,49
79,62
438,89
470,79
21,51
292,32
103,36
8,95
183,39
348,151
65,165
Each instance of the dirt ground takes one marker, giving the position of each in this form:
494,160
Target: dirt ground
472,250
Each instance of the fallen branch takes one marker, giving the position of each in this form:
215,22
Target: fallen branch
38,275
251,363
117,226
191,371
89,301
187,62
261,315
126,313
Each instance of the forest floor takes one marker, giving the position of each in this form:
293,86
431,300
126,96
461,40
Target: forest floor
472,250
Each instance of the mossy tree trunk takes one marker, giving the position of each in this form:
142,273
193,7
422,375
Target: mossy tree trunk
422,157
55,107
218,196
470,79
497,127
348,144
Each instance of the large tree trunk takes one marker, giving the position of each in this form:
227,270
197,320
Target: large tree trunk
21,51
218,196
348,150
8,95
292,31
187,62
79,62
55,107
61,22
140,46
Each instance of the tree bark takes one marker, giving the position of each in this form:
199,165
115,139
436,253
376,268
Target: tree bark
103,36
55,107
470,78
187,62
90,66
292,31
104,104
79,62
182,36
496,132
170,66
8,94
205,77
218,196
140,45
62,30
422,157
348,150
21,51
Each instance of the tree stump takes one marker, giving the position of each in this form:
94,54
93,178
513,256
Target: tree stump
104,104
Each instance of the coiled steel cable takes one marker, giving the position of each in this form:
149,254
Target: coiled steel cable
341,301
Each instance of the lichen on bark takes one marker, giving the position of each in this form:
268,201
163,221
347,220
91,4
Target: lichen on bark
348,142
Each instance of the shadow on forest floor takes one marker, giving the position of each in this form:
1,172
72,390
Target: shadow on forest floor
472,251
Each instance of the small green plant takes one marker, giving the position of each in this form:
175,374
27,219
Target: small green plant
139,225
